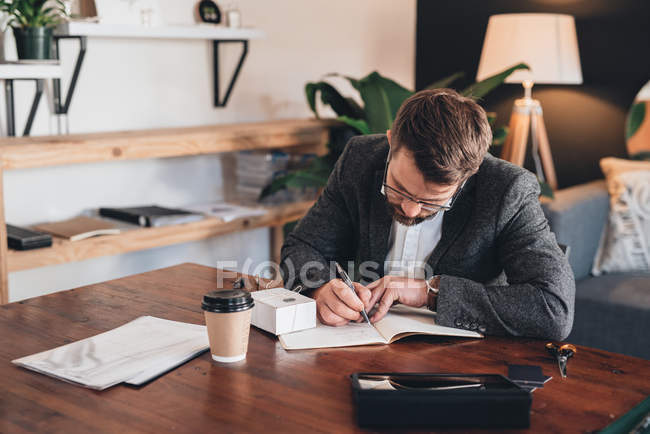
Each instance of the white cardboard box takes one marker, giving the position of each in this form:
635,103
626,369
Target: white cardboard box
280,311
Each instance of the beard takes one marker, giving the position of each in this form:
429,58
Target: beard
400,218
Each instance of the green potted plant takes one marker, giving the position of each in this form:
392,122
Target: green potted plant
32,22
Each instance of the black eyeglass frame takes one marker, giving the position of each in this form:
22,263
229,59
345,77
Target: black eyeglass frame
427,206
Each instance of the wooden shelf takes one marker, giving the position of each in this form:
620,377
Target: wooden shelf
63,251
29,152
32,152
199,31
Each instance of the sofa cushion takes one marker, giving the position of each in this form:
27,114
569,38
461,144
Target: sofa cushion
625,245
577,216
612,312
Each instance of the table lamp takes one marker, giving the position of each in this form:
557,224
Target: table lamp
549,45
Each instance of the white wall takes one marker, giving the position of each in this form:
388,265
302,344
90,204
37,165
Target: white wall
138,84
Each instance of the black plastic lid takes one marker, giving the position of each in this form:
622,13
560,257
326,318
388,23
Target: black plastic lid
227,300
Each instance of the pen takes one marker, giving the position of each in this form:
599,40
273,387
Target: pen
347,281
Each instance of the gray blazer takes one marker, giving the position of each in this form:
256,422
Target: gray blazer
501,269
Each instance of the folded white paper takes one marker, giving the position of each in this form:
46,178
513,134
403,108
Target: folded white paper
134,353
279,311
226,211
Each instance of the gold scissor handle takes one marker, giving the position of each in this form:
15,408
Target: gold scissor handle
551,346
568,347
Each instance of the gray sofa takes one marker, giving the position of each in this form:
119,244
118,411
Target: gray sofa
612,310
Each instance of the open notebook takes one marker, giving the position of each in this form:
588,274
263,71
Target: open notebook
400,322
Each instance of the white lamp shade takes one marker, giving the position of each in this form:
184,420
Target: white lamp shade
546,42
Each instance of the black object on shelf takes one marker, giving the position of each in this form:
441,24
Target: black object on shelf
209,12
26,239
151,216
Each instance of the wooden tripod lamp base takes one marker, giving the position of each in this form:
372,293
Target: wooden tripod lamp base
527,118
536,48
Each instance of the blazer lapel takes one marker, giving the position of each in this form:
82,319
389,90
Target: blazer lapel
453,222
379,224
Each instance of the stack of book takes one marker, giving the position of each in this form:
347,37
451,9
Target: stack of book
255,170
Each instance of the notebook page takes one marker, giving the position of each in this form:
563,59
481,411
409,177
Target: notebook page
323,336
402,321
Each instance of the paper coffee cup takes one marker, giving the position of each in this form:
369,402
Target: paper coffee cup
228,320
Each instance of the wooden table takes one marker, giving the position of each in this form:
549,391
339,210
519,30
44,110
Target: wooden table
273,390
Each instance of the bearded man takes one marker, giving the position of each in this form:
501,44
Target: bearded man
429,218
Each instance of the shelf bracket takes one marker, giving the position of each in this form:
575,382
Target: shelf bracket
59,107
9,101
215,56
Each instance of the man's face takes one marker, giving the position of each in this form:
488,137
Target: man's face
404,176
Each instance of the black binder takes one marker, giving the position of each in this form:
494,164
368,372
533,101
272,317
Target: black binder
26,239
440,400
150,216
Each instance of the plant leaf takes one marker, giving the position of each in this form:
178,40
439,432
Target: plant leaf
643,155
33,13
310,93
315,175
353,81
447,81
491,117
323,164
482,88
276,185
378,112
634,118
358,124
499,136
306,178
382,98
330,96
395,92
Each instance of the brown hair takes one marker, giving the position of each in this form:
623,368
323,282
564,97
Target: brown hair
446,133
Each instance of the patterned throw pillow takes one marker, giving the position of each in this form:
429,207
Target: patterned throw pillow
625,243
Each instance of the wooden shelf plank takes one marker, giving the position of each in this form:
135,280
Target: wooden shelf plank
199,31
29,152
64,251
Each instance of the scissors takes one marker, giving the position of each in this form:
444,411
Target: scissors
562,353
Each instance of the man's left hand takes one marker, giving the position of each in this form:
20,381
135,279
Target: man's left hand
391,289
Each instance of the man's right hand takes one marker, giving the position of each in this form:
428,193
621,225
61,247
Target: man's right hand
337,304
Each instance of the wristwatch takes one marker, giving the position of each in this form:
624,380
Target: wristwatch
432,292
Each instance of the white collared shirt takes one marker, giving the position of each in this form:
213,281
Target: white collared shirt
409,247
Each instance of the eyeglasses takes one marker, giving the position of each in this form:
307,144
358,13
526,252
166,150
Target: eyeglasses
393,195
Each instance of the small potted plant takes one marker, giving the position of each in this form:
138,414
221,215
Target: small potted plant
32,22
